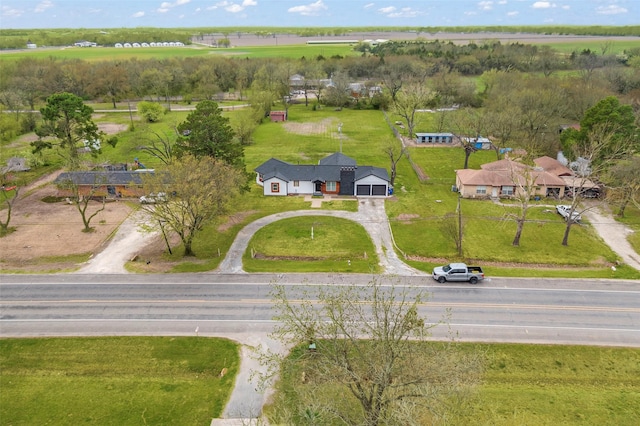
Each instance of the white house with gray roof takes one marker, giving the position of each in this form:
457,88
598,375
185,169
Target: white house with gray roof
336,174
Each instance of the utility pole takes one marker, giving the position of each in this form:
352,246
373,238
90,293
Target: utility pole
340,136
459,227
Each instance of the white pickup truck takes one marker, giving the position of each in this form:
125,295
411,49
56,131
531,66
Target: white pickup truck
458,272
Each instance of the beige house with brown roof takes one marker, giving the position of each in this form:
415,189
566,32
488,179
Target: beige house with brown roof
506,178
503,178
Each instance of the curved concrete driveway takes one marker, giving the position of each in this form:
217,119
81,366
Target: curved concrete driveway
371,215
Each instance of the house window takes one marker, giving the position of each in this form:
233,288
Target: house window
275,187
481,189
296,183
331,186
507,190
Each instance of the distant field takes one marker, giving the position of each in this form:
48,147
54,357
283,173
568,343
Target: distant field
616,46
106,53
112,53
294,46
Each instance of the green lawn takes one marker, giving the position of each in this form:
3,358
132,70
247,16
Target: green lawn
536,385
312,244
415,212
115,380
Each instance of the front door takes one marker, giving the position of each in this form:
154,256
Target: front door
318,186
494,192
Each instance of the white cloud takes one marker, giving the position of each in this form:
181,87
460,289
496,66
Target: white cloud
43,5
502,2
388,9
138,15
612,9
486,5
11,12
405,12
233,7
543,5
566,7
470,13
310,9
368,5
165,5
514,13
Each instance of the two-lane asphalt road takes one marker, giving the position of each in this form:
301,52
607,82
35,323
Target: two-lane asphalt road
596,312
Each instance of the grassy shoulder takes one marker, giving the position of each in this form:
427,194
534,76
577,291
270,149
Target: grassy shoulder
115,380
532,384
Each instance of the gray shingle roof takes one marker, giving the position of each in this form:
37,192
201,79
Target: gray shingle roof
337,159
101,178
326,171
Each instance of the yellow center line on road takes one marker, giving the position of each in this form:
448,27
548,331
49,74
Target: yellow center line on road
315,302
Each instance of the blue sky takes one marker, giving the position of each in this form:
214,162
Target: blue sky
312,13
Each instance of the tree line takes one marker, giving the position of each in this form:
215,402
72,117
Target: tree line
524,92
18,38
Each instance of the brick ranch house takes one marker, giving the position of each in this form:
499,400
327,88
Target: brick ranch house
336,174
500,179
110,184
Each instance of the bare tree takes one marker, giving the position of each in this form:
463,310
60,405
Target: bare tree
10,194
395,152
361,356
13,100
397,70
469,121
525,180
602,147
81,199
452,227
623,184
160,147
195,191
413,96
502,124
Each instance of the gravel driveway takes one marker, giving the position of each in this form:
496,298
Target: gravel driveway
614,235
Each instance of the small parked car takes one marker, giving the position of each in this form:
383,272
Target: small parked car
160,197
563,210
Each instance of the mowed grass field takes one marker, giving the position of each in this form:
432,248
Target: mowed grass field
524,385
176,381
115,380
297,51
